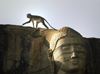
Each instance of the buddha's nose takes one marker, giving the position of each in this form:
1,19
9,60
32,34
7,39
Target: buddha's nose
74,55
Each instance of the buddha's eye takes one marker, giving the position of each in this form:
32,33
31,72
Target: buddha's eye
81,54
66,47
79,47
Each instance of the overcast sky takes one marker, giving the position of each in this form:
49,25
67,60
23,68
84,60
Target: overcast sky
81,15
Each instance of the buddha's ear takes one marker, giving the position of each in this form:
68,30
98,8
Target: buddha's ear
50,54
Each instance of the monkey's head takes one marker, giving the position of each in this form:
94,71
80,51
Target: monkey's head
28,15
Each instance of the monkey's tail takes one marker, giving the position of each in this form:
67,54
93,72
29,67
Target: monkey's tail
49,24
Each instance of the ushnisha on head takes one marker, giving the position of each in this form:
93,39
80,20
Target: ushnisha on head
68,51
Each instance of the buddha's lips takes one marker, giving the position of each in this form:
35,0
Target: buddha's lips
74,61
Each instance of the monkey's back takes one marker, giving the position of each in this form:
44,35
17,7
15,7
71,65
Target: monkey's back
37,18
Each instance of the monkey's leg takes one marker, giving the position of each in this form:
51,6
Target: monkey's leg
37,24
33,23
45,25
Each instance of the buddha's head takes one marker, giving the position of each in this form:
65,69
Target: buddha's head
69,51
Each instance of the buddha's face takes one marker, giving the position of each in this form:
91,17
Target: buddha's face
70,52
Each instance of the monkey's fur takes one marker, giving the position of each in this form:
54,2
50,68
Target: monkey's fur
38,19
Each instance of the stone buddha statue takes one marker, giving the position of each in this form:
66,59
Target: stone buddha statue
69,53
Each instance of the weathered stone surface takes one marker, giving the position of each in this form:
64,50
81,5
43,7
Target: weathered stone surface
23,50
95,45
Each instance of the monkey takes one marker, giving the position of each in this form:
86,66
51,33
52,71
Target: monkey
38,19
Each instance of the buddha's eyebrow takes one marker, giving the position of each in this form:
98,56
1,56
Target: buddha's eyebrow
71,44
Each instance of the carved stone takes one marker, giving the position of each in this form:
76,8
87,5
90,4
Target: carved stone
70,52
24,50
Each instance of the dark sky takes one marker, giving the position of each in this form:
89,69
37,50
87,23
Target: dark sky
81,15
